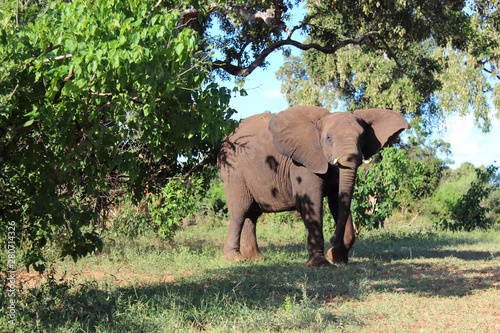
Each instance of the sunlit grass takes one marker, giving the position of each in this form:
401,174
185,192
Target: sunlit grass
402,279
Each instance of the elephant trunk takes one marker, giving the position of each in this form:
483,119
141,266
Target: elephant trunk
344,236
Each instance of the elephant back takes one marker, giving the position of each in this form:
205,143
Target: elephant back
250,139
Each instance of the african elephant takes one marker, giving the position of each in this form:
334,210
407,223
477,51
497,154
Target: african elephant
290,161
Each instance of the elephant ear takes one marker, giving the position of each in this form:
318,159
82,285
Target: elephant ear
296,135
382,127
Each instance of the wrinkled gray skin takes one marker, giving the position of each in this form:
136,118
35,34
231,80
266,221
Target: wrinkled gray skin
290,161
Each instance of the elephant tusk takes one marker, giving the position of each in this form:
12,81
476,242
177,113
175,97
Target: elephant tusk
336,161
367,161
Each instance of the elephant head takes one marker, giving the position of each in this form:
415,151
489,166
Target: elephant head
337,142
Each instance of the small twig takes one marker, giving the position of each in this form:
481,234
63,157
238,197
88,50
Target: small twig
200,165
52,48
391,54
193,66
12,94
413,218
86,125
154,7
64,56
17,13
107,94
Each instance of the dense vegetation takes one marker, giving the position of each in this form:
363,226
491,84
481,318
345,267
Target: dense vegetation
108,110
108,104
98,100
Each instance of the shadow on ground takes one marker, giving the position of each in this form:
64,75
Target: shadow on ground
270,284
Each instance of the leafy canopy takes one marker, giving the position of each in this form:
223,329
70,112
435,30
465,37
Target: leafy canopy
97,98
423,59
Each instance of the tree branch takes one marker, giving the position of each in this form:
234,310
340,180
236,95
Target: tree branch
391,54
154,7
490,71
271,17
52,48
64,56
86,124
242,71
206,160
12,94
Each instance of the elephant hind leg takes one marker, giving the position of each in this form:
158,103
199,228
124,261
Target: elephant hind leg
239,203
249,248
232,244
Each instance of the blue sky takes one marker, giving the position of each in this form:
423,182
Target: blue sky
468,143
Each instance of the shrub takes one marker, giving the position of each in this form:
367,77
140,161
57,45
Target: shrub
131,219
175,202
468,213
382,181
96,96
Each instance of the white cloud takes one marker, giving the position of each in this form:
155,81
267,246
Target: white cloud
459,130
272,93
469,143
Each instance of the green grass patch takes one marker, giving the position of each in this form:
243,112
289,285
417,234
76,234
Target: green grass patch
402,279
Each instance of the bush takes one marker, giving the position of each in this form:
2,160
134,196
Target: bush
468,213
382,182
97,98
131,219
453,185
175,202
212,200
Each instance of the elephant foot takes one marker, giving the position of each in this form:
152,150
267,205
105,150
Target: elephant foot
234,256
338,255
252,254
317,261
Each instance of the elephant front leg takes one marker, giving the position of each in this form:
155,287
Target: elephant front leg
312,215
342,242
339,253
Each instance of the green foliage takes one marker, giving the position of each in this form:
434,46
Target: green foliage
329,224
377,186
282,218
211,201
130,218
177,203
301,89
425,171
95,98
468,213
418,62
454,184
172,204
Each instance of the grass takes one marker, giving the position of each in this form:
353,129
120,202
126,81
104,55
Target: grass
400,280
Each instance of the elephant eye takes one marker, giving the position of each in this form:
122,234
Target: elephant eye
328,139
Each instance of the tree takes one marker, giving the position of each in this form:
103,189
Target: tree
422,59
96,99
